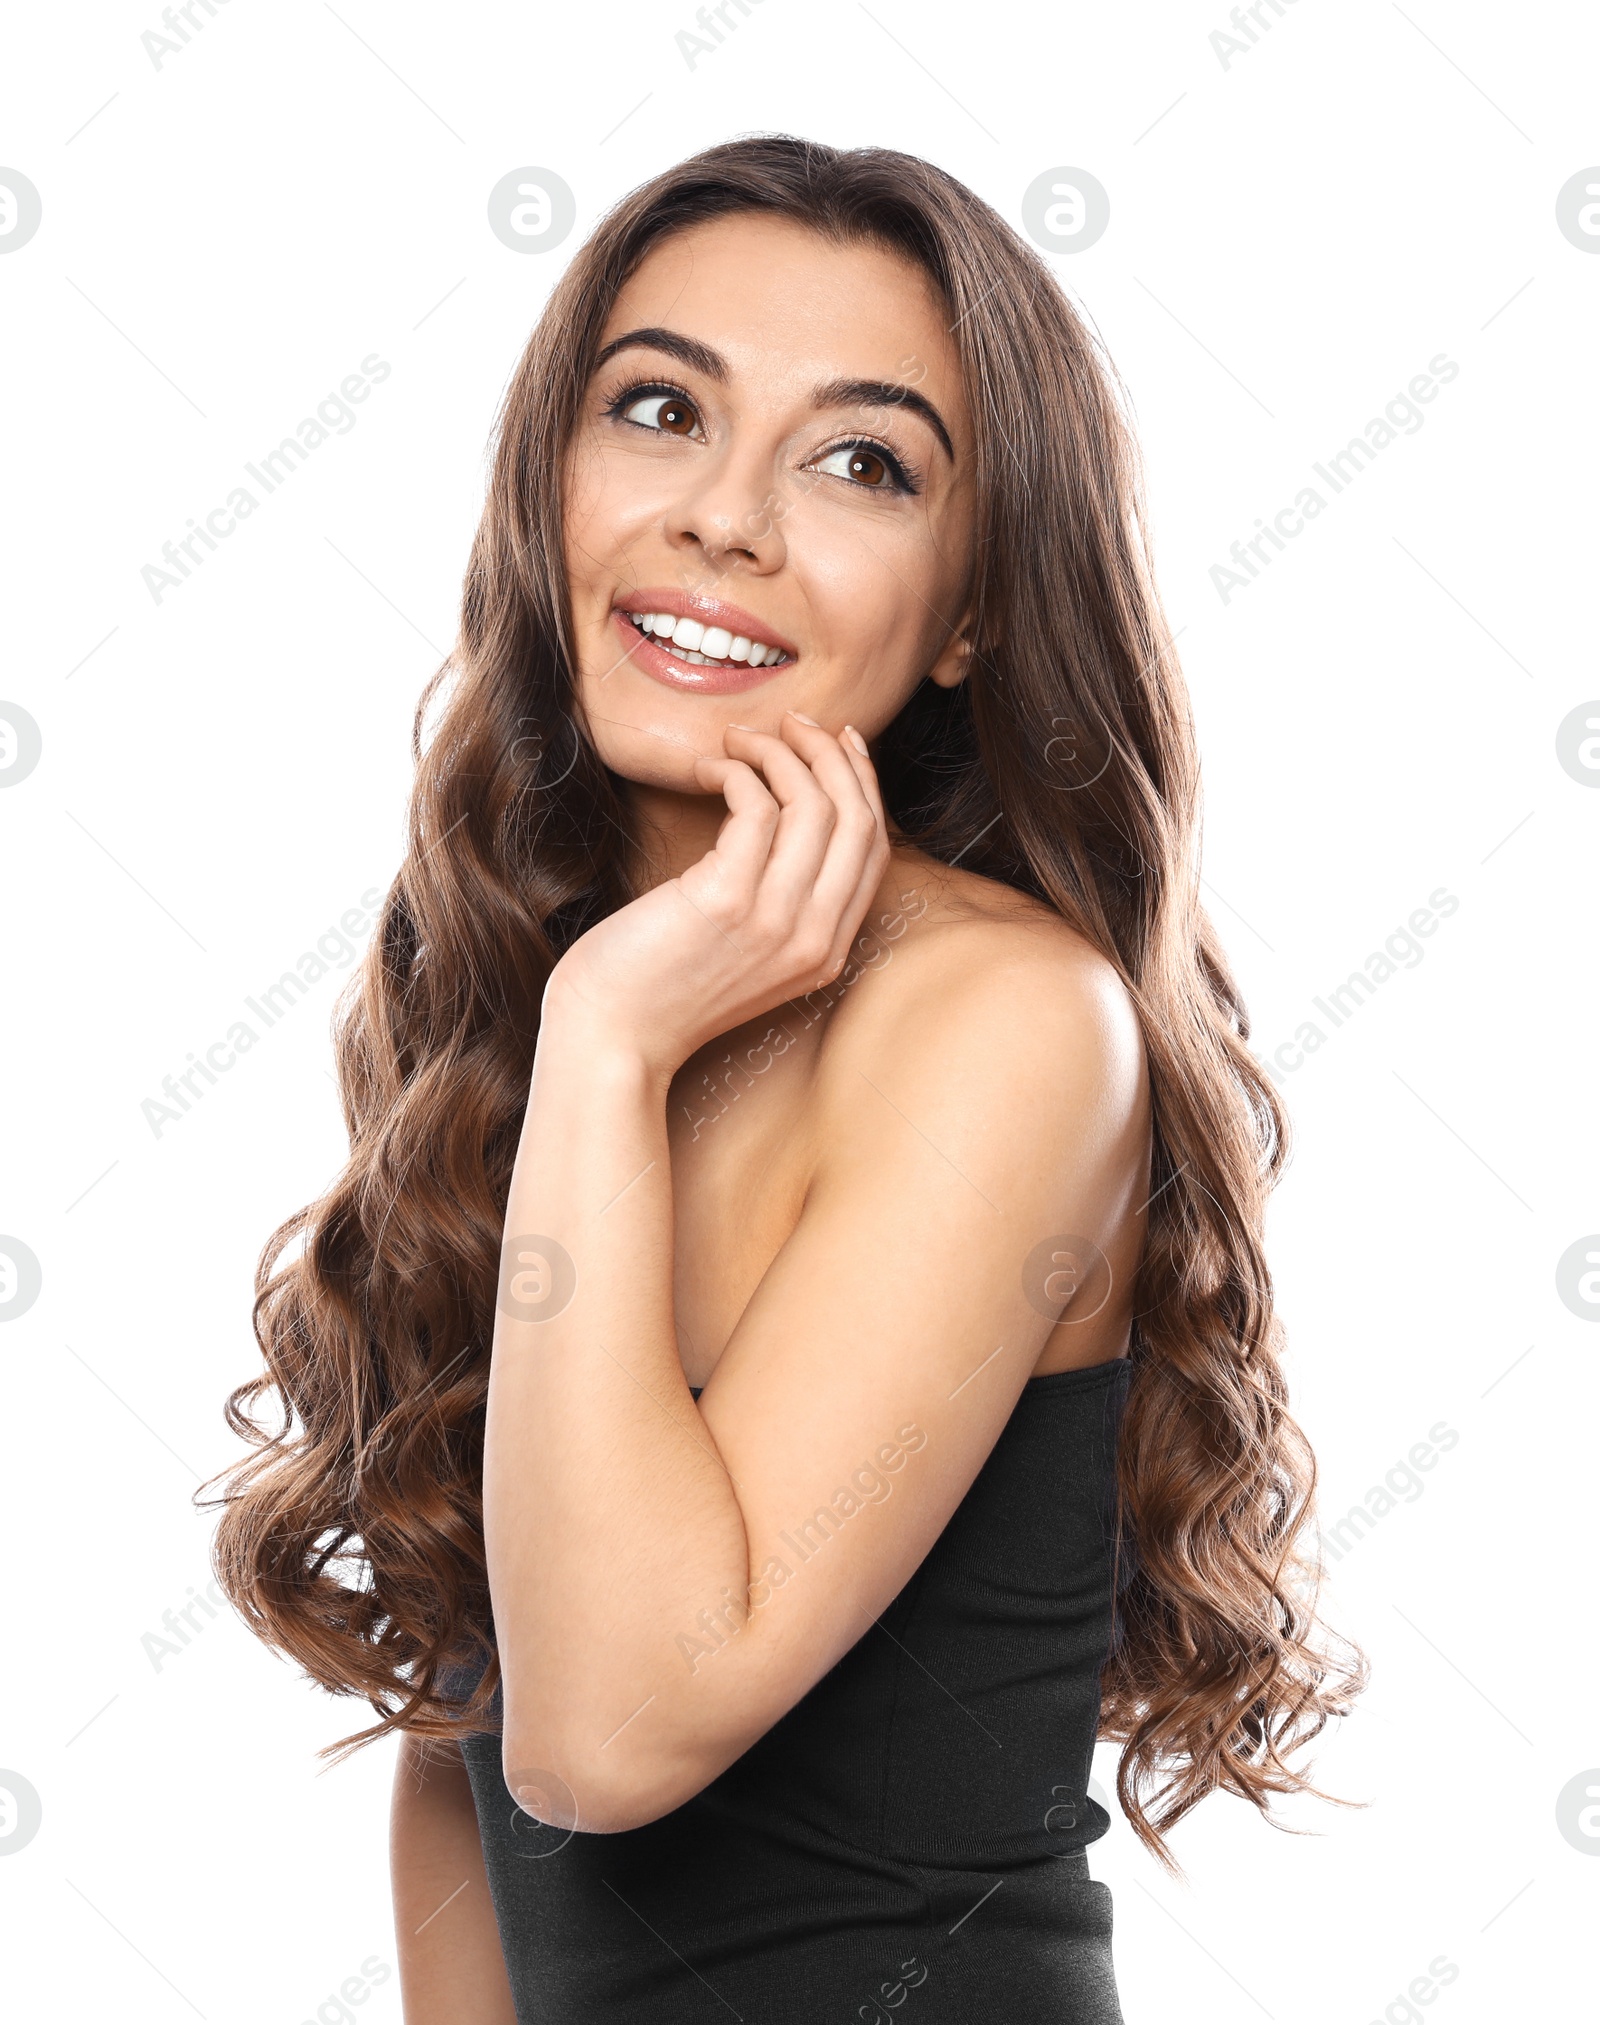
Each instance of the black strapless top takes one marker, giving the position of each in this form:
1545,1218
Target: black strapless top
906,1845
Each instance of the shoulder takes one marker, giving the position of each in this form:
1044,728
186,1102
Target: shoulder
972,994
952,952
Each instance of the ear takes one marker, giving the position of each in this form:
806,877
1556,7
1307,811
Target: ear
954,658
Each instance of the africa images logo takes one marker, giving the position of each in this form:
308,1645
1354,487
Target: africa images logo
1402,416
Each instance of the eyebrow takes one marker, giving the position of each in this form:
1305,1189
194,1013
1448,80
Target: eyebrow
702,358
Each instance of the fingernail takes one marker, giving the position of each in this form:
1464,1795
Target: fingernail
806,720
856,739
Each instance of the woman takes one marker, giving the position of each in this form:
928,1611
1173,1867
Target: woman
790,1360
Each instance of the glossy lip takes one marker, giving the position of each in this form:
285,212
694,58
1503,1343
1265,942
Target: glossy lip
710,612
709,680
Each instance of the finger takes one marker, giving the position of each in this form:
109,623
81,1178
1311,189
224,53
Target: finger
875,864
834,748
855,911
865,772
806,820
739,856
857,829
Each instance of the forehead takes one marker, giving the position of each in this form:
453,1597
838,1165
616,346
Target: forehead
789,308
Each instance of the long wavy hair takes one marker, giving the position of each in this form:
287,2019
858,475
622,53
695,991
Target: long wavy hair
351,1536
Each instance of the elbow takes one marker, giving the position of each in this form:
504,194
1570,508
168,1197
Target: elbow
581,1778
576,1793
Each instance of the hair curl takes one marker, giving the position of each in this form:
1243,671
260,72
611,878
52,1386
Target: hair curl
354,1541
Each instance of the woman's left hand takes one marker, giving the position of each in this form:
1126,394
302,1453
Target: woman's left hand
768,913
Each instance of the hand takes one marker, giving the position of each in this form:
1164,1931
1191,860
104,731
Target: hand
768,913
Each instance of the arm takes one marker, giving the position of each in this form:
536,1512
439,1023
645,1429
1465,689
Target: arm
452,1970
669,1578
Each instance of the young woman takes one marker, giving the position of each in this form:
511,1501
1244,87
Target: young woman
790,1360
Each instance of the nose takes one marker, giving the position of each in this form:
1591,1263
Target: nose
730,514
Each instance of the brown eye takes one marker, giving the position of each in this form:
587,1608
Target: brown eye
669,413
872,469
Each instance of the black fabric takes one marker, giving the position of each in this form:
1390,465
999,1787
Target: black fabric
907,1843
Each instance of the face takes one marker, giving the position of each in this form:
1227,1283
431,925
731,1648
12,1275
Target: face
769,497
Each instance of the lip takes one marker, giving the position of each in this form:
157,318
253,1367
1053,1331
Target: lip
710,611
663,667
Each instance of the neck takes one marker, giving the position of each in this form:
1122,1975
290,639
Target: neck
675,831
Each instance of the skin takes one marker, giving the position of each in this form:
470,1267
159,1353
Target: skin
869,582
452,1971
818,1207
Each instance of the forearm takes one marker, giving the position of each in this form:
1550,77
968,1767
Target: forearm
610,1521
452,1968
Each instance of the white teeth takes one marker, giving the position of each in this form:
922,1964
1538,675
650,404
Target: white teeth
684,636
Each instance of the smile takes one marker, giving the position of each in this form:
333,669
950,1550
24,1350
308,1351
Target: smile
715,650
700,645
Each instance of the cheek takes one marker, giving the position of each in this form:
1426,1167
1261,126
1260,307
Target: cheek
882,589
609,499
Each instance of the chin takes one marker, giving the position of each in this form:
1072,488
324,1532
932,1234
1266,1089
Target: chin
657,755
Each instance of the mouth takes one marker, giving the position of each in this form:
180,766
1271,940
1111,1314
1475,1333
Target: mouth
699,644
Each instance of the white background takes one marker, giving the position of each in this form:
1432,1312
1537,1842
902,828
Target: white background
1294,234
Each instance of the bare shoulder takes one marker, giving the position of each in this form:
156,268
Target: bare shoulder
963,983
948,939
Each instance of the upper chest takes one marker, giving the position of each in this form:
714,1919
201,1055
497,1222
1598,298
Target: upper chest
741,1137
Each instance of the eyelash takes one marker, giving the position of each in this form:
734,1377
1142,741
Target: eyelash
904,477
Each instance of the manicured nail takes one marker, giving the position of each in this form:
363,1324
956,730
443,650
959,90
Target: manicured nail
856,739
806,720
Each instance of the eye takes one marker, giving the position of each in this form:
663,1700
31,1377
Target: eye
873,468
661,408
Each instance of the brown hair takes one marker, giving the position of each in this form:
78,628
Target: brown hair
1064,766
